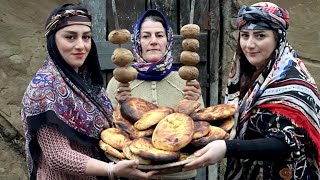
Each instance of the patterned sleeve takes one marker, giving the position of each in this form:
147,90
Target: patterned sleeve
58,153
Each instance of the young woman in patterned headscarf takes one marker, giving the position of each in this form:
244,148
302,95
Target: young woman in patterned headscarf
158,81
65,108
277,124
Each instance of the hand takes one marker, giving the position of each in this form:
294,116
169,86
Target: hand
128,169
123,92
192,91
210,154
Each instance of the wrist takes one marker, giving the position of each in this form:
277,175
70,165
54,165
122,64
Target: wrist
110,170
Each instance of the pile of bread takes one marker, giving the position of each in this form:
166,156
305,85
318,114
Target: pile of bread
158,135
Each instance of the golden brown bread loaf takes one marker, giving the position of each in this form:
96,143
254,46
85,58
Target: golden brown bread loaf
122,57
215,133
201,128
189,58
144,148
173,132
129,155
188,72
186,106
190,44
190,31
119,36
115,137
227,124
133,108
109,150
152,117
125,74
212,113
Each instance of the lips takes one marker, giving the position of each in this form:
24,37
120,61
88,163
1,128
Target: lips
79,55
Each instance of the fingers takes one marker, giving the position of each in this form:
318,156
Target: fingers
192,91
200,152
193,83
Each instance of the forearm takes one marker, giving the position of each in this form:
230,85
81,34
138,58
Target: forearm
260,149
96,167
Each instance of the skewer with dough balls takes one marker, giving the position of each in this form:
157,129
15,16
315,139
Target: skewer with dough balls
125,74
152,117
143,147
190,31
173,132
115,137
107,149
190,45
188,72
216,112
119,36
122,57
189,58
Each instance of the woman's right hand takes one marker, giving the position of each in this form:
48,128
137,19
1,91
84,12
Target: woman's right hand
128,169
123,92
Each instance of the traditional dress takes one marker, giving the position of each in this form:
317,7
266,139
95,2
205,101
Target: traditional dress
282,104
64,112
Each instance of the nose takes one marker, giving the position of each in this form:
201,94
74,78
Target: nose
251,43
153,40
80,44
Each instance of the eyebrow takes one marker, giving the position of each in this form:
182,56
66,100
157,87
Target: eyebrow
74,32
255,32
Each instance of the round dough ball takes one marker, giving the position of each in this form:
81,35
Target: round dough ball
125,74
119,36
122,57
190,31
190,44
189,58
188,72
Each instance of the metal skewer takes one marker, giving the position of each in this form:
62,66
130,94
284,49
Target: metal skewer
192,11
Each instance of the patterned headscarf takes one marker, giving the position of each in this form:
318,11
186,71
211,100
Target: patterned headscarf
284,86
57,95
154,71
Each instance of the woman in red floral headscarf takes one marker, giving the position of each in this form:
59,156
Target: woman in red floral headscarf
277,131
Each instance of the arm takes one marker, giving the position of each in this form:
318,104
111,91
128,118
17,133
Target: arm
192,91
59,156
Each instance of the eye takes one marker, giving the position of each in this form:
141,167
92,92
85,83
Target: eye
145,36
87,37
244,36
261,36
70,37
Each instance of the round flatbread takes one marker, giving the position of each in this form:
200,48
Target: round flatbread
128,154
201,128
144,148
186,106
212,113
152,117
115,137
227,124
215,133
173,132
111,150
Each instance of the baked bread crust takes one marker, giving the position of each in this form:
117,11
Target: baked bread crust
115,137
215,133
133,108
109,150
129,155
227,124
143,147
201,128
186,106
212,113
152,117
173,132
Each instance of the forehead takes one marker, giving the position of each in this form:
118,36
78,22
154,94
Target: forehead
254,31
149,25
76,28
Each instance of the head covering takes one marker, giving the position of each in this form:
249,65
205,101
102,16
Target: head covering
57,95
263,15
284,87
154,71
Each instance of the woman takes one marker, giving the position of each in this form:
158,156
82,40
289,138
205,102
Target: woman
65,108
277,129
158,81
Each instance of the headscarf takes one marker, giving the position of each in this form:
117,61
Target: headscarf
284,87
154,71
57,95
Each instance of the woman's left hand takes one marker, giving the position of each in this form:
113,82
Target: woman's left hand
192,91
210,154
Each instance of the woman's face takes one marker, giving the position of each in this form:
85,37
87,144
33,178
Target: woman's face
153,40
74,44
257,46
